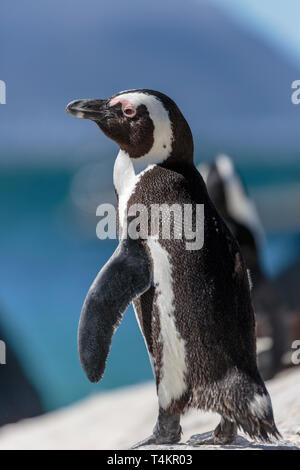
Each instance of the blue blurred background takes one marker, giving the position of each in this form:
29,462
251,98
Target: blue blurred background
229,66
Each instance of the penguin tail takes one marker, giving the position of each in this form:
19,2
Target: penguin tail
258,420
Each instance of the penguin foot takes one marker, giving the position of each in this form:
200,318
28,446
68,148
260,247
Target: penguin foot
145,442
153,439
167,431
198,440
225,433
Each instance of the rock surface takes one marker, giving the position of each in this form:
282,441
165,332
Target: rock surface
118,419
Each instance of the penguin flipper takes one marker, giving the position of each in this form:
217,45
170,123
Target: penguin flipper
124,277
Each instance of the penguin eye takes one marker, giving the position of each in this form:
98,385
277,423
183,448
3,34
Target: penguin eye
129,111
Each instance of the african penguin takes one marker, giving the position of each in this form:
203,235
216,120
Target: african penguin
193,306
229,194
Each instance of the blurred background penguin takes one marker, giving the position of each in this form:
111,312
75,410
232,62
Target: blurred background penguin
229,194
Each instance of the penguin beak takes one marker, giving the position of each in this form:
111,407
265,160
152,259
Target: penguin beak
96,110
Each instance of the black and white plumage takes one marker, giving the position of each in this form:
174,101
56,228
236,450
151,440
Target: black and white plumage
193,306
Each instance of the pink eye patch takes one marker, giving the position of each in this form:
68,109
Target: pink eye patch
128,108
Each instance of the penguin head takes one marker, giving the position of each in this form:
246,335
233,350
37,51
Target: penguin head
146,124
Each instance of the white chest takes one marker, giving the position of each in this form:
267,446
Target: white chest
126,176
172,383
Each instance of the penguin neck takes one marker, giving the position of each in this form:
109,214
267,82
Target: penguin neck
127,170
127,173
180,160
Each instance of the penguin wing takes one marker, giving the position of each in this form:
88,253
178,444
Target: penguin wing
124,277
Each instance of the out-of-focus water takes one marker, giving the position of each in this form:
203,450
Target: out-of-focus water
47,265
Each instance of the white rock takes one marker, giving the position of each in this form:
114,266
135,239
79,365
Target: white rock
118,419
